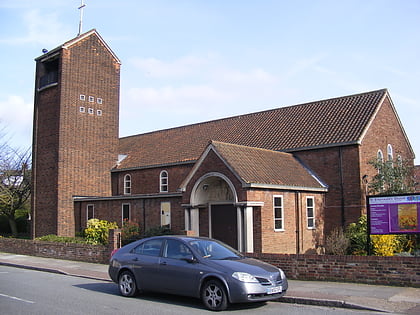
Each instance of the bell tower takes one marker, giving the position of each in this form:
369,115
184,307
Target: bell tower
75,130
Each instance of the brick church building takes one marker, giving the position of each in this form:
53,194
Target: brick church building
275,181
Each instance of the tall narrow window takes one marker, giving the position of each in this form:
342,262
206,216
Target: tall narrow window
390,153
380,156
126,215
165,214
127,184
278,213
90,212
163,181
310,212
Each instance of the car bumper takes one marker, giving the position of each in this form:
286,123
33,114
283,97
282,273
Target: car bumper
255,292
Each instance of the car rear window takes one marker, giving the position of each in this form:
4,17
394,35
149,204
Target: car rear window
149,248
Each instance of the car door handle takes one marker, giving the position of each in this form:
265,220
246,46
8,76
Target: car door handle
163,263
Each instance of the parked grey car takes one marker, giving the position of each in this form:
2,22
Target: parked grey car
197,267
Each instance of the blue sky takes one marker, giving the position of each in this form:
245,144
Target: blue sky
187,61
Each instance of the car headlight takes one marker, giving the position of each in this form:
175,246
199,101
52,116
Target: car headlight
282,275
244,277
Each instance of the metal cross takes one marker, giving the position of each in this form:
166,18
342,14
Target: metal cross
82,5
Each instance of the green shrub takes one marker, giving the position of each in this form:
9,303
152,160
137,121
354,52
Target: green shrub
61,239
97,231
357,234
158,230
130,232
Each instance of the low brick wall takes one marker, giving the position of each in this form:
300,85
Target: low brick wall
67,251
399,271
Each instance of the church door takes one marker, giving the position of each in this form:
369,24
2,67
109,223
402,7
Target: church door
224,224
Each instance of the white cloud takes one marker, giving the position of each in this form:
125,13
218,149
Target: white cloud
45,29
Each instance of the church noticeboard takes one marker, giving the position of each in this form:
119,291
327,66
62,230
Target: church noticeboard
398,214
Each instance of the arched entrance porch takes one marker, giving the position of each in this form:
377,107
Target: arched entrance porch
214,211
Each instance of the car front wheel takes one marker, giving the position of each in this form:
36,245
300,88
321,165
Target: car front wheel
214,295
127,284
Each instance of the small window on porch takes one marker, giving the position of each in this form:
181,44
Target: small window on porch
278,213
90,212
126,213
310,212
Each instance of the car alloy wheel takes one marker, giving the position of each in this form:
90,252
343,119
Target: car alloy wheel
214,295
127,284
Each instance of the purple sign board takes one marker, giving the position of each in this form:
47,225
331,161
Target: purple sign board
399,214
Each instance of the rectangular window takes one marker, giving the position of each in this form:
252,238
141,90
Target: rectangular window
82,109
310,212
90,212
82,97
91,111
278,213
91,99
165,214
99,100
126,215
99,112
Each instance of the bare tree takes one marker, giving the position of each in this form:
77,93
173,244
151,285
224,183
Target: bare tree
15,181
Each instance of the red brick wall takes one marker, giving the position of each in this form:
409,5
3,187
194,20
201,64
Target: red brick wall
296,235
339,168
144,211
146,181
401,271
385,129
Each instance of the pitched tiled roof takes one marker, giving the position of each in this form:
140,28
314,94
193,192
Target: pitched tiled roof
330,122
262,168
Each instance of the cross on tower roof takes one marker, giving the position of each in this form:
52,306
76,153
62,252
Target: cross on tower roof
82,5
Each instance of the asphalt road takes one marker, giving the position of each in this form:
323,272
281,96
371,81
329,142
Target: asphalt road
25,291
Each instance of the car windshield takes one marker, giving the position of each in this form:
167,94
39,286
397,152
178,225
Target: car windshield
213,250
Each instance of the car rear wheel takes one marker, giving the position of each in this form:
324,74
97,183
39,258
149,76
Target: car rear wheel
127,284
214,295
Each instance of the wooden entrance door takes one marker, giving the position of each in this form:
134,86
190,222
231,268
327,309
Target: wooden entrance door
224,224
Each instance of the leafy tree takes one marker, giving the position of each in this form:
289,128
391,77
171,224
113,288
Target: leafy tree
393,177
15,183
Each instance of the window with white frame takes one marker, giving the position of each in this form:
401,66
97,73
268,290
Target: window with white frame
127,184
163,181
126,212
90,212
390,153
310,212
278,213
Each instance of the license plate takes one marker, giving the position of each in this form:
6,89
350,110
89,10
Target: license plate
274,290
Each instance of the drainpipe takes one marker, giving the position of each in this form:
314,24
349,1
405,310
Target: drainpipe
340,154
297,215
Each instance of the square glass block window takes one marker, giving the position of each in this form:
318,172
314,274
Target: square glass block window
91,99
82,97
99,100
82,109
91,111
99,112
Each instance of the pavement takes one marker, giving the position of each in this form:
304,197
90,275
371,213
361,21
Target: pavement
388,299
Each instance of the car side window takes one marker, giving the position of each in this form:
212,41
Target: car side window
149,248
176,250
